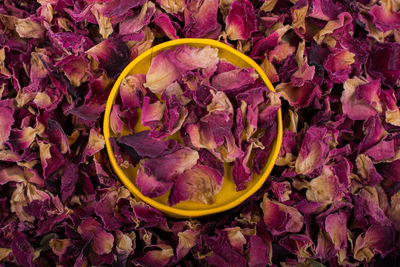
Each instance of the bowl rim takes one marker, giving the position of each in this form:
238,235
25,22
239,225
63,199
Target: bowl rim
130,185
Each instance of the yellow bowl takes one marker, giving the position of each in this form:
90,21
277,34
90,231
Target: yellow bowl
228,197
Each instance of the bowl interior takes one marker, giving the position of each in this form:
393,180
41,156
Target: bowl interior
228,197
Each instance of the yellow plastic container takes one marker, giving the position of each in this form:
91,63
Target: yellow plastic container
228,197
